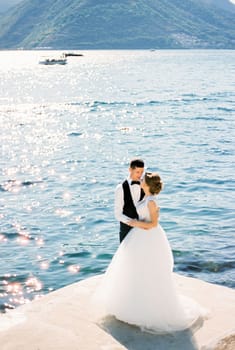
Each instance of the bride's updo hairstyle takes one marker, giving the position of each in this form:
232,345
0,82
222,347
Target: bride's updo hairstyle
154,182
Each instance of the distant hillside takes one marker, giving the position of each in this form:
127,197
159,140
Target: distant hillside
118,24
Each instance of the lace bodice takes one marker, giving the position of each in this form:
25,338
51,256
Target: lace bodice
142,208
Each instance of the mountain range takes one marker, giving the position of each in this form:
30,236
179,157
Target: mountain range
119,24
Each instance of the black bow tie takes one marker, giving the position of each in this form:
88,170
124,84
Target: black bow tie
135,182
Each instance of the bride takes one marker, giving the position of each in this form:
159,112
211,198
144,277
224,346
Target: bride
138,286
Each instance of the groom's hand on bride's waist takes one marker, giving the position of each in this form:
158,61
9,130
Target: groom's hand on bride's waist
132,223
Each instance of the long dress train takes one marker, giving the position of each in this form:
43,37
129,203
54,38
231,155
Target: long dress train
138,286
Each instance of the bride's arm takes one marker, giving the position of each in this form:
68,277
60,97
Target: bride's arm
154,216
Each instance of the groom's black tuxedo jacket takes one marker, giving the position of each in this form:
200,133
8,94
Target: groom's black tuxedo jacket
129,209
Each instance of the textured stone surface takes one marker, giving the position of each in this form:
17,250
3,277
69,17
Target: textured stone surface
65,319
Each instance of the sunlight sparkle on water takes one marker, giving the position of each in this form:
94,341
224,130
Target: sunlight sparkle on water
78,218
15,291
28,208
34,283
39,241
73,268
3,238
11,171
14,288
23,240
63,212
13,186
67,196
45,265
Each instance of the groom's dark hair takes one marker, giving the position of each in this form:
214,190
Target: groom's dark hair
136,163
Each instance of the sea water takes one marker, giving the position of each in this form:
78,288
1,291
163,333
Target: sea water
67,134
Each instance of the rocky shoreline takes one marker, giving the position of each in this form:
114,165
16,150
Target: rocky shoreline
65,319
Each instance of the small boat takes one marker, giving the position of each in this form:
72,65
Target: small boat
70,54
52,61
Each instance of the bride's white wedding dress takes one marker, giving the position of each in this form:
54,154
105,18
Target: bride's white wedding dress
138,286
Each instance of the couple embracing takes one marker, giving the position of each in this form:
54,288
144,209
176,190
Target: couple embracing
138,286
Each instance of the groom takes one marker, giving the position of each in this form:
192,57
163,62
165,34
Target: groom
127,195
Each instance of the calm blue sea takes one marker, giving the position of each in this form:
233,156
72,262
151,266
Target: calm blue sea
67,134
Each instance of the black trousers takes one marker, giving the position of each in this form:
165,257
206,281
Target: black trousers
124,229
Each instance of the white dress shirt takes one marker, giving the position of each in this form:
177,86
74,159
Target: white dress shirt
119,200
